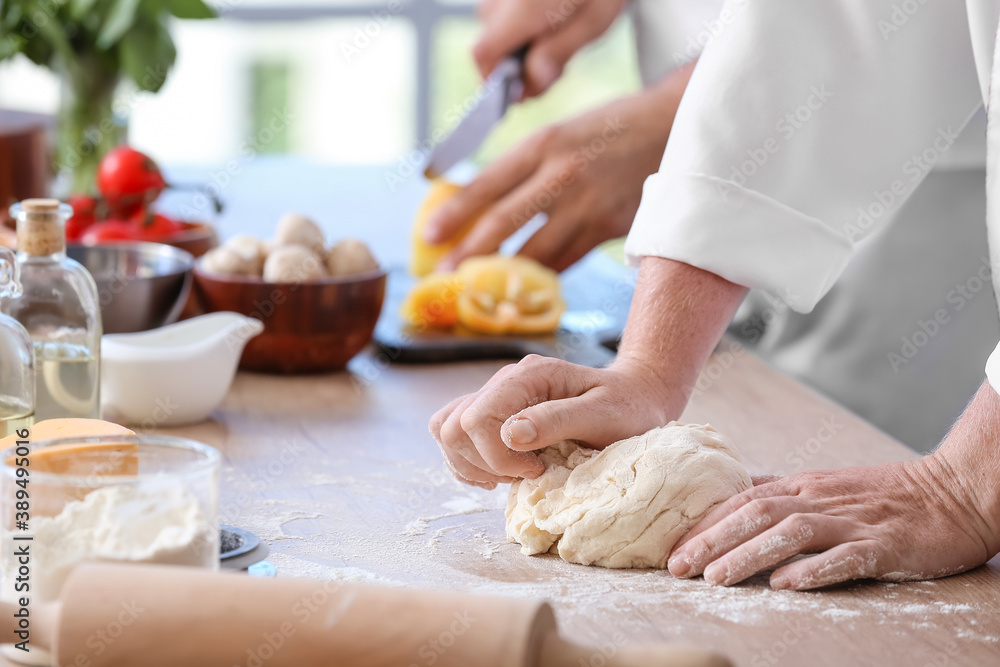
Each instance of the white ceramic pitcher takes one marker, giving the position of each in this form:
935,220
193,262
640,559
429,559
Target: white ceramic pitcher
174,375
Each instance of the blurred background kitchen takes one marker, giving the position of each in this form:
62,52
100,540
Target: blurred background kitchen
323,107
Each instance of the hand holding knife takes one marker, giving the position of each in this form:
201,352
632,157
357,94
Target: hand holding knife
503,87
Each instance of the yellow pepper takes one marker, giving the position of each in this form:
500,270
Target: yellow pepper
508,295
425,257
433,302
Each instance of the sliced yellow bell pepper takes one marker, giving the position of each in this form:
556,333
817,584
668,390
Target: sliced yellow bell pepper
433,302
508,295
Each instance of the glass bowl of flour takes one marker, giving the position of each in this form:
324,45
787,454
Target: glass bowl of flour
128,498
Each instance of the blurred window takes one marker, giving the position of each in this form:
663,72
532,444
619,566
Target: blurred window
348,82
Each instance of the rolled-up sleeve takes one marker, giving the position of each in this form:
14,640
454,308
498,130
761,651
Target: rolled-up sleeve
805,127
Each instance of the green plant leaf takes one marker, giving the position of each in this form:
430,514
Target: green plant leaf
119,20
147,54
79,8
9,46
190,9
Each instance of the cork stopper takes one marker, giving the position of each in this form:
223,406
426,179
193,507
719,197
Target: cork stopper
40,205
41,229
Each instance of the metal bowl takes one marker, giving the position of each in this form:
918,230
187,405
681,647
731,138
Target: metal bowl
141,286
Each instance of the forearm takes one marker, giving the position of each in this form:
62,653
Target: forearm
967,464
679,313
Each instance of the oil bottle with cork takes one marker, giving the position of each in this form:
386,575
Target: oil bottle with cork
59,308
17,358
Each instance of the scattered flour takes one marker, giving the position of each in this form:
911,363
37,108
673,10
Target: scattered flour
444,536
295,567
416,527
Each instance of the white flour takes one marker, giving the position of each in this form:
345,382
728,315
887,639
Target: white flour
155,522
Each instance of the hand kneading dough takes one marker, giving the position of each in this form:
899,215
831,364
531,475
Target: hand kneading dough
626,506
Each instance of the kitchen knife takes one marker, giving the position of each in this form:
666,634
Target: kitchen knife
502,87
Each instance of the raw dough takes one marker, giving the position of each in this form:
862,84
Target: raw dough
626,506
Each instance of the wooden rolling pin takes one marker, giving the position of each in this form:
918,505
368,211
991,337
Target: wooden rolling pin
118,615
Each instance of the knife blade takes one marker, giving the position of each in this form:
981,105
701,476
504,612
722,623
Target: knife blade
502,87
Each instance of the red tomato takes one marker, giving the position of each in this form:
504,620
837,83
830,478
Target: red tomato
110,231
154,226
84,215
129,180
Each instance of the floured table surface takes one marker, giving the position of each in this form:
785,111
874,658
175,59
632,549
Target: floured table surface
340,477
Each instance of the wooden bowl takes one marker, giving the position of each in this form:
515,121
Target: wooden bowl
197,238
309,327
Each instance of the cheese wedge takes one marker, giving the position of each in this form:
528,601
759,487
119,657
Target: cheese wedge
82,458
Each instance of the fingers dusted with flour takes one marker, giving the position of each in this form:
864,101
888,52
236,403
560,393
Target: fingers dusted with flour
912,520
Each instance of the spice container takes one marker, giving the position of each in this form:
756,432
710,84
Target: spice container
17,359
60,310
122,498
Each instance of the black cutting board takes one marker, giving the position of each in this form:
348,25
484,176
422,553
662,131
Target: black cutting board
597,291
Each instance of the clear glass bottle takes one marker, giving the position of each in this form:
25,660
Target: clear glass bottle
60,310
17,358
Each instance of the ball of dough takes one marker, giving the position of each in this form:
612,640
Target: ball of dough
251,251
293,264
626,506
297,229
223,261
350,257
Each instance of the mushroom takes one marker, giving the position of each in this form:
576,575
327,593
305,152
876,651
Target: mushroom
223,260
297,229
251,251
293,264
350,257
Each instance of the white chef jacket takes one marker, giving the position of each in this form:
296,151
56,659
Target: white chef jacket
804,129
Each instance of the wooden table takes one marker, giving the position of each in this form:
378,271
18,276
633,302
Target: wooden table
340,477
